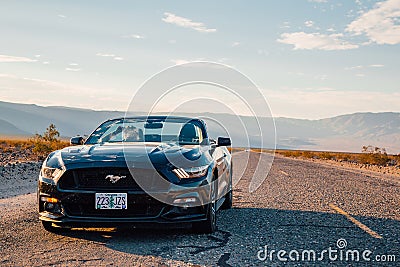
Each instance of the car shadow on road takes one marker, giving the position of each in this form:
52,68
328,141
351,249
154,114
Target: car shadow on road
244,233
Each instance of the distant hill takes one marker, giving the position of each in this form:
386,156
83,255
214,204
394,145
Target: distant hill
7,128
69,121
342,133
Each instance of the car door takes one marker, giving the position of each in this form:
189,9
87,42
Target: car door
221,156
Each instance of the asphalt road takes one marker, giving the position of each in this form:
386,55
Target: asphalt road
301,208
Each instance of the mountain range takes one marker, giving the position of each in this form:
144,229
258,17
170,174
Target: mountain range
341,133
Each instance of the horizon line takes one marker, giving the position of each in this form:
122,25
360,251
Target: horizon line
222,113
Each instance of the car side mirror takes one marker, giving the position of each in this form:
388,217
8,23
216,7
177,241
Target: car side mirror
77,140
224,141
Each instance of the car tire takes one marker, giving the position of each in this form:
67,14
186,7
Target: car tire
48,226
210,225
228,201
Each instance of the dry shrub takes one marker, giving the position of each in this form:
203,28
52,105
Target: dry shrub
48,142
8,146
42,147
290,153
308,154
327,155
374,159
379,158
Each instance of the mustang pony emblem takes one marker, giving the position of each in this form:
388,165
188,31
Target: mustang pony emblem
114,178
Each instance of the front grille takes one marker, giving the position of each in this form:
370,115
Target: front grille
95,178
83,205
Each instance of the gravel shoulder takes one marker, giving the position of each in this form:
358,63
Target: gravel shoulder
393,171
18,178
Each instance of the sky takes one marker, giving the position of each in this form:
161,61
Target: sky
310,58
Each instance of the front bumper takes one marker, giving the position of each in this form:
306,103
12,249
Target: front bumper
77,207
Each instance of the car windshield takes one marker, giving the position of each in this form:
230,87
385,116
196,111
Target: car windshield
142,130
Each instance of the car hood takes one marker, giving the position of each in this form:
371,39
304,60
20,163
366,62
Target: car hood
137,153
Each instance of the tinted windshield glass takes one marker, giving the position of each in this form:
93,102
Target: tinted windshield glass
136,130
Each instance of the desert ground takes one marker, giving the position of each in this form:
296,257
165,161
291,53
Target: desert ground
301,205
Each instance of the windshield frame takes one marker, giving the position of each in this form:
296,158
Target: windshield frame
94,138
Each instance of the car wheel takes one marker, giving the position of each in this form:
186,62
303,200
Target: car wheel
210,225
48,226
228,200
228,196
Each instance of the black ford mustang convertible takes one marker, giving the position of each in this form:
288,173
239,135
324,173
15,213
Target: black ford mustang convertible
139,171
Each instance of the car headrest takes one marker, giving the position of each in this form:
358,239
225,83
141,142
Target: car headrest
188,133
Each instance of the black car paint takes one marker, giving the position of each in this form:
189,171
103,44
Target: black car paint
112,155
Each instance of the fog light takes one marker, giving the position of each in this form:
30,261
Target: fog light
49,206
185,200
57,208
52,207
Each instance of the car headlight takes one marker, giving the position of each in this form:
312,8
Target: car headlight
51,173
195,172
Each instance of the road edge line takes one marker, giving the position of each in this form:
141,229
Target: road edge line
356,222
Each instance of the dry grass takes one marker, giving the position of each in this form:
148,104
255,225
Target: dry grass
9,145
27,148
377,159
235,149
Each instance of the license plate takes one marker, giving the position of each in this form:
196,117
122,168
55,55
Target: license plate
111,201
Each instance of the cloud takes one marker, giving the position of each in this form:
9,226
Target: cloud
318,1
354,67
186,23
309,23
302,40
363,67
115,57
105,55
72,69
134,36
61,16
40,81
234,44
380,24
376,66
184,61
5,58
285,25
180,61
6,75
